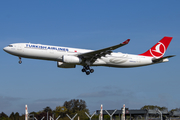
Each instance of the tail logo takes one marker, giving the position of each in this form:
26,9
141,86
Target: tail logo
158,50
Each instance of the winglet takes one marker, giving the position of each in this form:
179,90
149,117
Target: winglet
126,42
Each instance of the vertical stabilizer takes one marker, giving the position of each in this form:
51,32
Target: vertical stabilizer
159,49
26,112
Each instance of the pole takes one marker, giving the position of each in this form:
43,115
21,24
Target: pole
70,117
51,118
42,118
111,114
26,112
101,112
123,113
58,117
90,116
160,113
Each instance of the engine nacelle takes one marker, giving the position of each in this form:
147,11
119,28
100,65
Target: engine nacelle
71,59
65,65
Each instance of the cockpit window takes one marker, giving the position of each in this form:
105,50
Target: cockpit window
10,45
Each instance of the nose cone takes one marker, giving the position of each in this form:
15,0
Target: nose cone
5,49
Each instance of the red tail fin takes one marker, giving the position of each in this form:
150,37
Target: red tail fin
159,49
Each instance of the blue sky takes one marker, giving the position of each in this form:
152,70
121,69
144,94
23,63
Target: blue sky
89,25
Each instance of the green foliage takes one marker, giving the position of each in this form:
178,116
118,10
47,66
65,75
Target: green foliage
60,110
152,107
106,117
177,109
16,116
75,105
82,114
12,116
47,109
71,108
39,115
3,116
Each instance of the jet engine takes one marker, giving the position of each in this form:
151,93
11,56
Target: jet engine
71,59
65,65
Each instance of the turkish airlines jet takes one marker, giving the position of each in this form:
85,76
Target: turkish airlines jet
70,57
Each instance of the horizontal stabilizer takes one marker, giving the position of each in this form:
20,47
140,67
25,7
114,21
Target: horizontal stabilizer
156,60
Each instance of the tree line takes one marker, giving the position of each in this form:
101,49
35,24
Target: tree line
69,107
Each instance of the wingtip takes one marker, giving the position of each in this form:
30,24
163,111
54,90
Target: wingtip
126,42
172,55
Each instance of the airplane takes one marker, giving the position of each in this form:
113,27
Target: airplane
67,57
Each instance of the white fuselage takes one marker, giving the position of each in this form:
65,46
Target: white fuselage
56,53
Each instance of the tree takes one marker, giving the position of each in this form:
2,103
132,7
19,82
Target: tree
152,107
177,109
82,115
16,116
75,105
43,113
3,116
60,110
47,109
12,116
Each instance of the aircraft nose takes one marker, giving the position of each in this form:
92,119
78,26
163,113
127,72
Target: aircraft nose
5,49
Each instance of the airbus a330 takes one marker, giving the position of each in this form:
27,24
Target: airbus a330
67,57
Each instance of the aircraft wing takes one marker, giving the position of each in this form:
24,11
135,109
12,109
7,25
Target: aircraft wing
92,56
